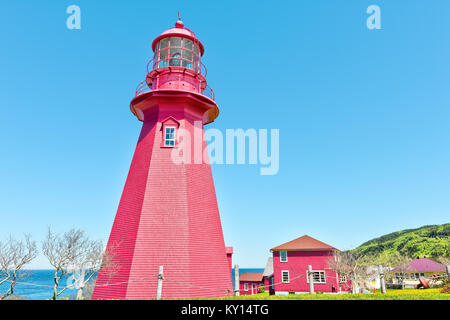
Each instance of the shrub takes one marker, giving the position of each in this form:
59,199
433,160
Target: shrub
262,289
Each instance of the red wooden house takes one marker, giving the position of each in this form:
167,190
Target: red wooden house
290,267
249,283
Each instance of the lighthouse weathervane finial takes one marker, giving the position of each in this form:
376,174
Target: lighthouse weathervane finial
179,23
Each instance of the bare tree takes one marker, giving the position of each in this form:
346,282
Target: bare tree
349,266
98,260
444,260
14,255
63,252
397,262
76,255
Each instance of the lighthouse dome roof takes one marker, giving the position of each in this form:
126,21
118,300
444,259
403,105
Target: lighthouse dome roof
179,31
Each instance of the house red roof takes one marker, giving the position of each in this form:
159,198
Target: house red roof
251,276
304,243
423,265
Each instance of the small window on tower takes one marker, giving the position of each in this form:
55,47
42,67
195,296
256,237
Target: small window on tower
169,137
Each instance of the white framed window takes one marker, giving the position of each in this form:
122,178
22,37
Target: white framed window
246,286
285,276
283,256
343,279
418,275
169,136
318,276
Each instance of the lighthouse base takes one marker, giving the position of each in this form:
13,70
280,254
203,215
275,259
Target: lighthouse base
167,216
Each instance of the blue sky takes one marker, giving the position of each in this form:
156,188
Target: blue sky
363,115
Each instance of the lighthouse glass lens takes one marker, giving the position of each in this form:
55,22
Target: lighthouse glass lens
175,51
187,64
187,44
196,64
163,54
163,58
175,57
164,43
174,62
187,55
175,42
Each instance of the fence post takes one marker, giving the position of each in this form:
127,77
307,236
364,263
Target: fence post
160,283
382,279
236,280
448,273
311,279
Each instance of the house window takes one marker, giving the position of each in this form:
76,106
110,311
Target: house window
283,256
245,286
169,136
343,279
318,277
285,276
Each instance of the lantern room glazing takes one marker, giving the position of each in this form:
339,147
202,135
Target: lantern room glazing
177,52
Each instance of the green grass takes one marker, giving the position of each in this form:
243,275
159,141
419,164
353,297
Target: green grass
405,294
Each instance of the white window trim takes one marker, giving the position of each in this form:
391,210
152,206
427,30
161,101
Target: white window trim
318,282
174,133
282,278
281,260
245,286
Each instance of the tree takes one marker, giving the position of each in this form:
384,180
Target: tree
444,260
75,254
349,266
397,261
14,255
98,260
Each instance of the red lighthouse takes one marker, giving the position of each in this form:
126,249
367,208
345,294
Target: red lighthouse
168,214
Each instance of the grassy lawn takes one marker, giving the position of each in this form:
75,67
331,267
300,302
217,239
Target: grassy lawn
405,294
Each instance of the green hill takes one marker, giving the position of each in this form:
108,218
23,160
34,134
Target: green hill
427,241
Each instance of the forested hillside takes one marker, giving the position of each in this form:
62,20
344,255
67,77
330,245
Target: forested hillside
428,241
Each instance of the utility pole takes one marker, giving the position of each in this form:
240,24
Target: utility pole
160,283
382,279
311,279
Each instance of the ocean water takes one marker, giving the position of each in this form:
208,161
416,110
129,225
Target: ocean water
38,291
43,278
